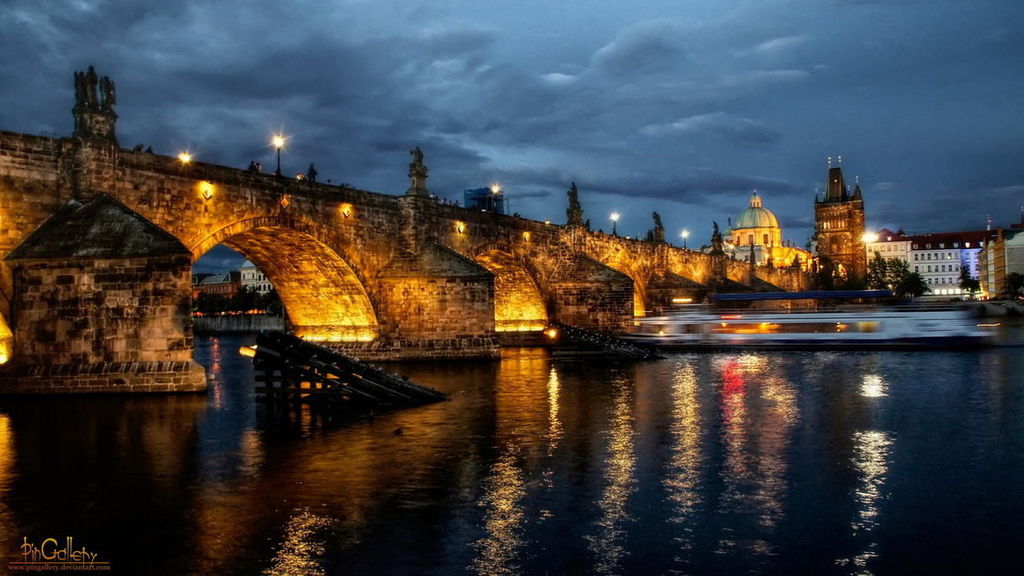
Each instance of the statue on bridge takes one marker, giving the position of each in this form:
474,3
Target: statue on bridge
658,234
417,174
574,213
716,240
95,99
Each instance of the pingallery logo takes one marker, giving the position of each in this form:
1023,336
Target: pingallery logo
58,556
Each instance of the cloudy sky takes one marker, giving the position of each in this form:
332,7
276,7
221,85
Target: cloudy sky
677,106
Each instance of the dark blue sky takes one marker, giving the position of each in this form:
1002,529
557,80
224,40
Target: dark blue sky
680,107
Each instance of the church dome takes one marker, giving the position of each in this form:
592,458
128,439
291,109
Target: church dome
756,216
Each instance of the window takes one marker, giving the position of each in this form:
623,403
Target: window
915,269
765,239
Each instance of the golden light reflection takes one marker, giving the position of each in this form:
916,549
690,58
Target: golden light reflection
504,490
205,189
759,410
873,386
608,545
519,326
303,546
871,452
7,475
682,482
554,423
336,333
6,340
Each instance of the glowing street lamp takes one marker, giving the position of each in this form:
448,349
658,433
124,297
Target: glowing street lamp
278,142
615,218
185,157
685,234
870,237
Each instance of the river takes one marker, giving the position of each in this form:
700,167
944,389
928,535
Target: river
702,463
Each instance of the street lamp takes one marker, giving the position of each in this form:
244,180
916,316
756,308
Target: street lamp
615,218
278,142
685,234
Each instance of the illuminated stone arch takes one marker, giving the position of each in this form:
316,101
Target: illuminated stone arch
323,295
6,337
619,261
519,304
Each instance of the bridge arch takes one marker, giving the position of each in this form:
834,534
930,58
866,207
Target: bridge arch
519,304
6,340
324,297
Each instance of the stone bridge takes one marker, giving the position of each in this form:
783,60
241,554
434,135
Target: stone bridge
97,245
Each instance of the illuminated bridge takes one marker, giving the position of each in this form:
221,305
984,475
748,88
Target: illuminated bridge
98,242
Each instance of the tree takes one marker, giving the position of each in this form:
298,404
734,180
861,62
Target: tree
886,273
968,284
912,285
1014,284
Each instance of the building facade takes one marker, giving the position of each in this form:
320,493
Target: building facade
839,226
253,278
756,232
941,258
1003,255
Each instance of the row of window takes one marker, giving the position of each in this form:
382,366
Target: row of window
939,268
942,245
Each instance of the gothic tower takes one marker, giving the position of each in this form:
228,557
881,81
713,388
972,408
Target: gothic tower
839,225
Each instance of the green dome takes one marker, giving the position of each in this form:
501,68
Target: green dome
756,216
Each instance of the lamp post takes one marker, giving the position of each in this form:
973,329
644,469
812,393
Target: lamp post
685,234
278,142
615,218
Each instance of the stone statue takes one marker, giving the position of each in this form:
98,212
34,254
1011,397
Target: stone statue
716,240
109,93
574,213
91,81
417,174
79,89
658,234
417,159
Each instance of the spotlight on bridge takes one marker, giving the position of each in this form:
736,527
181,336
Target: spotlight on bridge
206,189
185,157
460,227
346,210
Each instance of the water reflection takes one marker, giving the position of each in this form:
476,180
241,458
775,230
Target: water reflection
758,411
7,459
499,551
608,544
301,552
871,453
682,478
873,386
705,463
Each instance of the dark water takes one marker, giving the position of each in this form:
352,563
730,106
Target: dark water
765,463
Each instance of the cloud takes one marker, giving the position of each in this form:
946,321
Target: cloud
644,48
718,124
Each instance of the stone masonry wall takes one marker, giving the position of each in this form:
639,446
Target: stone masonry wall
125,310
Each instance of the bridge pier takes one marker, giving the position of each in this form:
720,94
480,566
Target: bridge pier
102,303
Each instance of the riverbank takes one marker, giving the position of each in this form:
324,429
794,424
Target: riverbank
1001,308
236,324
